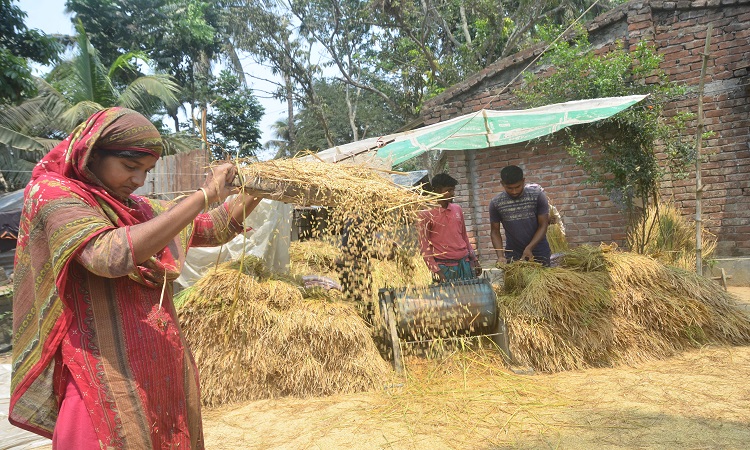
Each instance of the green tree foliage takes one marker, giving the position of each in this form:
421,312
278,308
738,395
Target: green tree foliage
372,117
18,44
280,142
180,37
625,163
234,117
76,88
402,53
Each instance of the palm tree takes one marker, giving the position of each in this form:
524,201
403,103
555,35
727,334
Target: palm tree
70,93
281,140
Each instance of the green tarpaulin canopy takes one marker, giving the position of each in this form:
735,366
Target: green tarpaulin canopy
487,128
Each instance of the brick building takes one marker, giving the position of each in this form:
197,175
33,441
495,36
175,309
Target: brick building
678,29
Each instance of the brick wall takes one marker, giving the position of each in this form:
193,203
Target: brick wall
679,30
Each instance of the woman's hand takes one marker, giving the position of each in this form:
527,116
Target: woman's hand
218,184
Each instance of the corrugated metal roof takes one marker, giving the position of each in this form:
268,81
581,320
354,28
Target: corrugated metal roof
410,179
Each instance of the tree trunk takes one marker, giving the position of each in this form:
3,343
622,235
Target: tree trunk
289,112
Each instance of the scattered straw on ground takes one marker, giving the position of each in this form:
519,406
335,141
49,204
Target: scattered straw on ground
694,400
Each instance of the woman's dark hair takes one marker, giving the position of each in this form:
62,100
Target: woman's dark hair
442,180
125,154
511,175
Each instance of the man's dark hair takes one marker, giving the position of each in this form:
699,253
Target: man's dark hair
442,180
511,175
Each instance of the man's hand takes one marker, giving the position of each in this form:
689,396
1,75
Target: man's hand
438,277
477,268
501,262
527,255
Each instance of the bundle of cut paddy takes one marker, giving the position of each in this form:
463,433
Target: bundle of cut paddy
665,234
305,182
257,338
604,307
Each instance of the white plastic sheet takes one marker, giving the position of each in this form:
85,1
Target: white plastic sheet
271,222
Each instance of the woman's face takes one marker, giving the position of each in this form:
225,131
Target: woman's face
121,176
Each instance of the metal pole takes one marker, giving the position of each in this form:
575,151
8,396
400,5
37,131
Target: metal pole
476,213
698,146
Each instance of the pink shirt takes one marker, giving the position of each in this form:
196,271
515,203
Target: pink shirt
442,235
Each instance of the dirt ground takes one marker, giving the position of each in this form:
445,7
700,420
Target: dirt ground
695,400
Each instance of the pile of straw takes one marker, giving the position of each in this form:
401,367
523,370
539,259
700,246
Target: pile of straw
604,307
318,257
314,257
256,338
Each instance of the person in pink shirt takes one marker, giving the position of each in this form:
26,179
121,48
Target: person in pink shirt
442,236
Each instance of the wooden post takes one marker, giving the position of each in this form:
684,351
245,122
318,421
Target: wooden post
387,309
698,146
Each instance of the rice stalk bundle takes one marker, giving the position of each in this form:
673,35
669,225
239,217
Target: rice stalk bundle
584,258
556,231
554,293
606,307
268,341
345,186
628,269
558,243
538,344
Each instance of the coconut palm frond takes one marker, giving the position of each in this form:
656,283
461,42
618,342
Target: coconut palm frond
16,172
78,113
48,144
125,62
33,116
148,92
20,141
180,143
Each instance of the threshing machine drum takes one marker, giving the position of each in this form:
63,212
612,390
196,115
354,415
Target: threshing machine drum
459,307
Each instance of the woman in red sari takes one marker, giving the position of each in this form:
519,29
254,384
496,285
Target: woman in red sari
99,360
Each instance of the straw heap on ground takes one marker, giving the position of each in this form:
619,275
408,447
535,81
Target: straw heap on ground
257,338
603,307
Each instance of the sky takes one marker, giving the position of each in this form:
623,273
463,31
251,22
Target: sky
49,16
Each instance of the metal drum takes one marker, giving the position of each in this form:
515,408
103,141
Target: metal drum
446,309
439,311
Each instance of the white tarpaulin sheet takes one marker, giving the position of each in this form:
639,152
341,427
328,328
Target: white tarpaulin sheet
269,239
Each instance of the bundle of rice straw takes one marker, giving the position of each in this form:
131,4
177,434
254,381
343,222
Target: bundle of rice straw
306,182
604,307
313,257
259,338
558,243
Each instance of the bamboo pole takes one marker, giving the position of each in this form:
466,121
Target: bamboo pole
698,146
